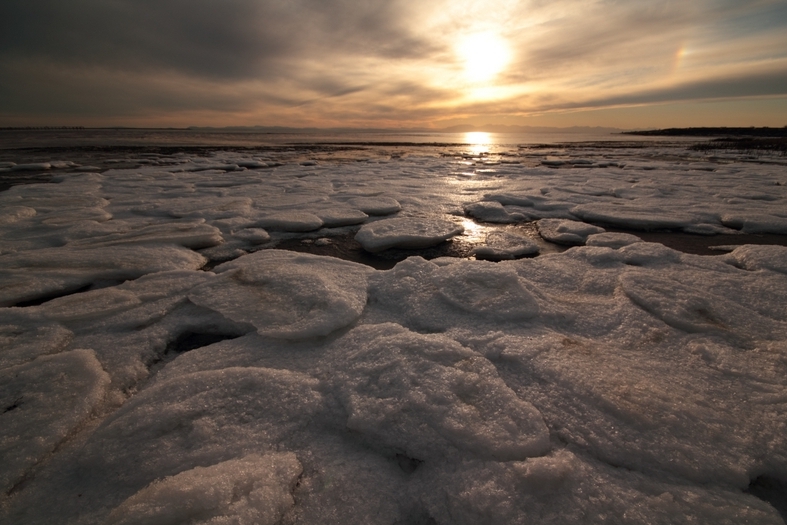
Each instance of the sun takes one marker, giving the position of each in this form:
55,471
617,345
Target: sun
484,55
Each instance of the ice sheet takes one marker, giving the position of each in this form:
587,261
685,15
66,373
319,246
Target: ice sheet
619,381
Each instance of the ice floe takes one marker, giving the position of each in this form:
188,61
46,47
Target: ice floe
406,232
31,166
190,234
424,395
503,245
611,240
567,232
291,221
492,211
376,205
285,294
20,344
752,257
34,274
342,217
43,402
252,235
253,489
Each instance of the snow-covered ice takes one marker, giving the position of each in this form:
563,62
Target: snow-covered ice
161,361
252,489
252,235
572,233
342,217
43,402
286,294
291,221
406,232
492,211
31,166
611,240
376,205
427,395
501,245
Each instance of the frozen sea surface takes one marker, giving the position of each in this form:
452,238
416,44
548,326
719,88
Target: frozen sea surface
163,360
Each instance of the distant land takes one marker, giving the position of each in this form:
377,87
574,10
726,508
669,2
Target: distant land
464,128
712,132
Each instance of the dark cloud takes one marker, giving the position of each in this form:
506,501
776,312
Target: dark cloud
231,39
337,94
55,90
769,83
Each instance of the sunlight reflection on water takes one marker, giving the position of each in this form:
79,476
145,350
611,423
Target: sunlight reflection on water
479,142
474,232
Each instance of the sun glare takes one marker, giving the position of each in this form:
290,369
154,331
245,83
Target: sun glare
484,56
479,142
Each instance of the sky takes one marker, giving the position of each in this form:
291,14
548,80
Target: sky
393,63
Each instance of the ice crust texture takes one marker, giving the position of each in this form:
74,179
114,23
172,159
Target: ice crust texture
502,245
619,381
404,232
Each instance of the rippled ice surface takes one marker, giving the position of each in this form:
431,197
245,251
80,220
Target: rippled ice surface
162,360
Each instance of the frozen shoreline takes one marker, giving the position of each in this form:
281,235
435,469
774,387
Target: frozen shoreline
621,378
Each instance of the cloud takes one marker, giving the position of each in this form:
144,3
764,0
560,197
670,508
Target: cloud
766,83
231,39
366,60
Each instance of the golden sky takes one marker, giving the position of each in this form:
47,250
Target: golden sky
393,63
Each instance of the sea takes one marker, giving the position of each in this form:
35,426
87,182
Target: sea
126,137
